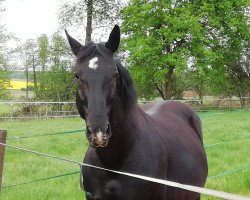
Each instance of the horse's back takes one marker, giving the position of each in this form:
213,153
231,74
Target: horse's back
168,111
179,127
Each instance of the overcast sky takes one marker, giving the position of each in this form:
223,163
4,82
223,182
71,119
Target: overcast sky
31,18
28,19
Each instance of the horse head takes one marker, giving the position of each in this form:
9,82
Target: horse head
97,77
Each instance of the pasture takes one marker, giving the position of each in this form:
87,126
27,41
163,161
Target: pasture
21,167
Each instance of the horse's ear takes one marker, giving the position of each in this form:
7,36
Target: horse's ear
75,45
114,39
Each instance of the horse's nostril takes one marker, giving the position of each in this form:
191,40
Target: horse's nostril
89,129
107,128
104,137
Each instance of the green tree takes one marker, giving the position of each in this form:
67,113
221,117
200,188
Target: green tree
163,35
4,68
25,56
4,78
43,60
55,79
43,43
239,76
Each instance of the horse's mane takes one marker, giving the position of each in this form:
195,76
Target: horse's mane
125,88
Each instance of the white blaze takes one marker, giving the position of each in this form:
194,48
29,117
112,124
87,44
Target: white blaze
99,136
92,63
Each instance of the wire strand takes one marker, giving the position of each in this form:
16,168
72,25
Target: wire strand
48,134
38,180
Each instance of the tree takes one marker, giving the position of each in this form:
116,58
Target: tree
4,77
162,36
239,75
55,76
99,15
25,57
2,36
43,43
4,68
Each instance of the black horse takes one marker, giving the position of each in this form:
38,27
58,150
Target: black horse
161,140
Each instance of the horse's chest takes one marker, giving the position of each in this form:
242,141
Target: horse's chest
108,186
104,186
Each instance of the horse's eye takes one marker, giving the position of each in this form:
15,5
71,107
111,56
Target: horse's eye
76,75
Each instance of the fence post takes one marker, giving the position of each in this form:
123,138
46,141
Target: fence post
3,135
11,111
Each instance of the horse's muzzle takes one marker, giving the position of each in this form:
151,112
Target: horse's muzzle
100,138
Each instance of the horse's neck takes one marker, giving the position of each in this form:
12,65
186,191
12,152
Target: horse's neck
123,126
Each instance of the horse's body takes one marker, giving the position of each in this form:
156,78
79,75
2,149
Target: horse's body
161,140
167,146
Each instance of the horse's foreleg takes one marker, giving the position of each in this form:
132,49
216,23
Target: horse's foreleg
198,198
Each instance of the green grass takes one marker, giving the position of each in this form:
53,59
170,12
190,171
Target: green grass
6,110
23,167
230,155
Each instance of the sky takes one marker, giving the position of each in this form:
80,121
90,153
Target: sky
28,19
31,18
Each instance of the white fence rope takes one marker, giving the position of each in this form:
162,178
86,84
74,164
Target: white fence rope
205,191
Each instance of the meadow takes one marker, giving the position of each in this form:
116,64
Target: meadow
20,167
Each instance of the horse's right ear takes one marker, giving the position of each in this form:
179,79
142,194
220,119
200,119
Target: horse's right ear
75,45
114,39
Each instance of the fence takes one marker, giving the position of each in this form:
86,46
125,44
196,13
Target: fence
3,136
11,110
210,103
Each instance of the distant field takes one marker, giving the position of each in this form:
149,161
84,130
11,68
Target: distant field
18,84
23,167
16,91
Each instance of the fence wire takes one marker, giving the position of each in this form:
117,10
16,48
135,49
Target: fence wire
47,134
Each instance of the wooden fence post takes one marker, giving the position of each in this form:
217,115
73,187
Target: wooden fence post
3,136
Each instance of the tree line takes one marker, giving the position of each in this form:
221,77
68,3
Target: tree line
169,47
47,62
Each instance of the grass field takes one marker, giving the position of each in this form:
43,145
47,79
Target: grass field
24,167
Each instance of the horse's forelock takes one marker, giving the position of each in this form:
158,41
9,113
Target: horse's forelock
92,49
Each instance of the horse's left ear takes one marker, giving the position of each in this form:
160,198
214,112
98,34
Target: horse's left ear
114,39
75,45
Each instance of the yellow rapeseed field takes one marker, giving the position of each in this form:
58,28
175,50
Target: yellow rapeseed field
18,84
